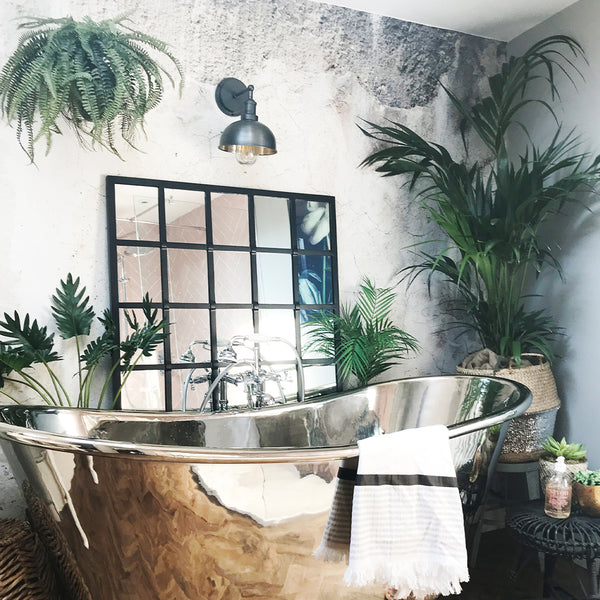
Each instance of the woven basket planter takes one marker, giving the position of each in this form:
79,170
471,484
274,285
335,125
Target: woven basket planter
526,433
68,576
25,570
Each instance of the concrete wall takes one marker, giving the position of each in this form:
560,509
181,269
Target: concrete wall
574,303
317,70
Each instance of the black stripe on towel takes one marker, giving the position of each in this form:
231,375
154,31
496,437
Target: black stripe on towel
412,479
347,474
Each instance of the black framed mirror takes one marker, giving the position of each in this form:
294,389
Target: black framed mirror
219,262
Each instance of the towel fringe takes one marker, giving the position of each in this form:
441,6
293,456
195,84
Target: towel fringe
327,553
418,578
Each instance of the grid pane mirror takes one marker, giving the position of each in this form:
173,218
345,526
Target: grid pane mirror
220,262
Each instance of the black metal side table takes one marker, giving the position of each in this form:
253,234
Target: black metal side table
577,536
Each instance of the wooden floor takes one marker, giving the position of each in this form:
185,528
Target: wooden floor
491,578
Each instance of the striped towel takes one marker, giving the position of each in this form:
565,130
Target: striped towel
335,544
407,521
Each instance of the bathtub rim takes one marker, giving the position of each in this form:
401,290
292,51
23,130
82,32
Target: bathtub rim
195,454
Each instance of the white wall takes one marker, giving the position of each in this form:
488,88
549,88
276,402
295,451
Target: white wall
574,304
317,70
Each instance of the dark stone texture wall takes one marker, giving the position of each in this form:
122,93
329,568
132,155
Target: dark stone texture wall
400,63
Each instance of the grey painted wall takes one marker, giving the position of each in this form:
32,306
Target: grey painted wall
574,304
317,70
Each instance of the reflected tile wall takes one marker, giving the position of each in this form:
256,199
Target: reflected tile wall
139,273
230,219
188,275
144,390
186,326
186,216
231,322
232,277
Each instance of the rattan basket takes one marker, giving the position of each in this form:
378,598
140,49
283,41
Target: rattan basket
537,377
523,442
68,576
25,570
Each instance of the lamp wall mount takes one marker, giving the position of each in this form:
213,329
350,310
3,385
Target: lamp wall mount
247,138
231,96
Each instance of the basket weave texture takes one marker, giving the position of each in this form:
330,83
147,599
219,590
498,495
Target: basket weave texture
69,578
25,570
537,377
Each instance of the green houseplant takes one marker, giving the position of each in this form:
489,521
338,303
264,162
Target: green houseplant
574,453
361,340
586,485
492,211
27,344
99,77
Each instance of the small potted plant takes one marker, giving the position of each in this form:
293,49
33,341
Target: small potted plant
362,340
575,458
586,485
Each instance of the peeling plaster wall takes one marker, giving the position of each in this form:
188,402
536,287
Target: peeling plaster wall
317,70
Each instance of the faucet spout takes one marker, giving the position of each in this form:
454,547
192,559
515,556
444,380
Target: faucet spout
219,377
256,376
257,338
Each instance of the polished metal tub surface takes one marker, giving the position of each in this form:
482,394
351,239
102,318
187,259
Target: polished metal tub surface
178,506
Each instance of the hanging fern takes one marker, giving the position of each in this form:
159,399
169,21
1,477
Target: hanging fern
100,78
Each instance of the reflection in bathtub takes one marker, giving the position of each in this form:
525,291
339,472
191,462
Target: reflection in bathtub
274,500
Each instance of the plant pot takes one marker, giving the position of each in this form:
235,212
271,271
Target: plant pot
547,467
588,497
523,442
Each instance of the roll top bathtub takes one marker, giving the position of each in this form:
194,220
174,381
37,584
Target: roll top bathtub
178,506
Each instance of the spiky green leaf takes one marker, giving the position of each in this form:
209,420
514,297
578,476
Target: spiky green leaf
28,338
70,309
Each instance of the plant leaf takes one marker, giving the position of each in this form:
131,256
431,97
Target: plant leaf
28,339
70,308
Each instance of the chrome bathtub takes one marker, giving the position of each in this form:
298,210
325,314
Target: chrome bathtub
182,506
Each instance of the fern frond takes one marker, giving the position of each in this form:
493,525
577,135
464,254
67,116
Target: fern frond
93,75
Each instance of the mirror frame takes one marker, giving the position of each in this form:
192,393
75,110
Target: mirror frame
166,306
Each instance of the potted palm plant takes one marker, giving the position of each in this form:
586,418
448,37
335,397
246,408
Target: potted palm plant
100,78
493,210
362,340
27,345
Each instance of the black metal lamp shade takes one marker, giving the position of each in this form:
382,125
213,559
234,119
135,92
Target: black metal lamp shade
247,138
248,135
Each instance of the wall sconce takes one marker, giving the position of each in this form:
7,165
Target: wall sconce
247,137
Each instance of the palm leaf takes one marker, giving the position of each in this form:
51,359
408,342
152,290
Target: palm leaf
361,340
493,214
